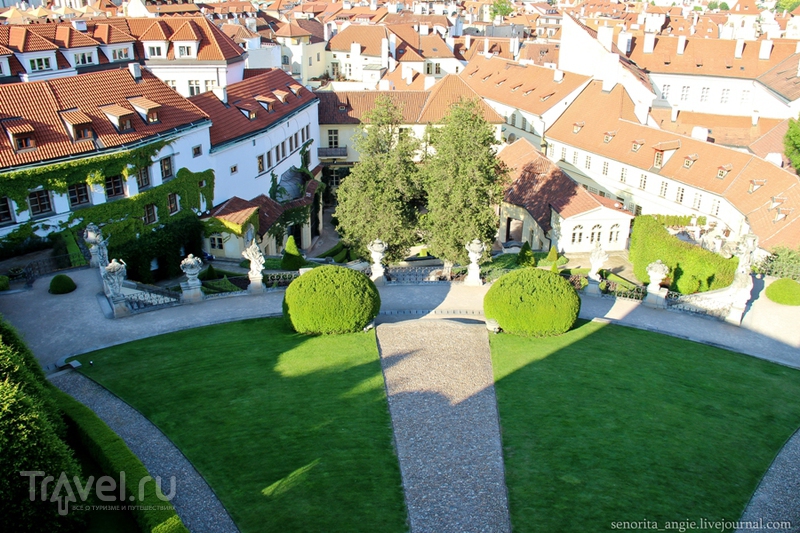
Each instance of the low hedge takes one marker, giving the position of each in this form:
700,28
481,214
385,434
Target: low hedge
331,299
679,220
341,257
338,247
153,514
5,283
532,302
691,268
61,284
784,291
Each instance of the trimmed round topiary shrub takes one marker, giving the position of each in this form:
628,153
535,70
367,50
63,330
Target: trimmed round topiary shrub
291,260
784,291
331,299
62,284
533,303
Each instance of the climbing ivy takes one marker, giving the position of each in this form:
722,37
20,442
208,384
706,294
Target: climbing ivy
216,225
58,177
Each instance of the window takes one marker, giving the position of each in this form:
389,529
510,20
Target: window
635,146
172,84
119,54
745,97
317,57
83,59
78,194
642,181
665,92
150,216
551,149
285,60
715,207
234,169
513,119
143,178
184,51
166,168
172,200
637,210
215,241
563,153
24,142
260,160
605,168
152,116
269,159
39,202
696,200
577,234
723,99
523,124
308,131
125,124
704,94
42,63
613,234
83,132
575,158
658,159
595,236
209,85
333,138
114,186
5,210
722,172
587,163
291,143
623,175
197,151
663,192
154,51
684,93
194,87
679,195
277,154
283,150
438,68
428,68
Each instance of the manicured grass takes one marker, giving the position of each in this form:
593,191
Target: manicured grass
784,291
607,424
292,432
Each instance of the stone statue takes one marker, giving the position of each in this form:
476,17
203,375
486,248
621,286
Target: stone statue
256,258
98,246
377,249
657,271
597,259
475,250
191,266
113,275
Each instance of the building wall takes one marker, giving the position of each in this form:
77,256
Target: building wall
532,233
220,74
611,228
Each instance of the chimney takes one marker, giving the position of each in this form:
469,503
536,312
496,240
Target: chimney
696,17
221,93
423,29
624,42
393,45
250,24
430,81
514,47
765,50
605,34
468,41
136,71
373,6
681,44
754,119
558,76
737,54
700,133
486,47
409,77
385,53
392,64
347,5
673,116
450,42
649,43
79,25
326,32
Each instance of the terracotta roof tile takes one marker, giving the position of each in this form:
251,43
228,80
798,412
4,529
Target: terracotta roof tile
292,29
157,31
116,110
187,32
17,125
68,37
399,83
20,39
369,37
349,107
76,117
234,210
268,212
108,34
448,91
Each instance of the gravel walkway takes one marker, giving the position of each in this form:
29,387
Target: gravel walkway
444,415
194,501
776,498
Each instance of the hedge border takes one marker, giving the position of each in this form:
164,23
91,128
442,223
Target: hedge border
113,456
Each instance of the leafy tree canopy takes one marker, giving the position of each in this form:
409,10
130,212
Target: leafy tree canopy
502,8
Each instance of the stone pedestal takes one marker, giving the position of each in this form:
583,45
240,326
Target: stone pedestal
593,288
120,306
256,285
377,249
473,276
191,292
656,299
475,251
304,270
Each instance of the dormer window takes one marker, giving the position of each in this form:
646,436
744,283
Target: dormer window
21,133
147,109
83,132
120,117
295,88
577,127
658,159
637,144
281,95
777,201
42,63
24,141
152,116
689,161
342,108
185,51
607,136
154,51
545,97
266,102
781,213
79,123
248,110
723,171
755,185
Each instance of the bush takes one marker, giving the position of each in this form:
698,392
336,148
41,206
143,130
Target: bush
5,283
333,251
533,303
691,269
153,514
552,256
331,299
292,260
784,291
61,284
525,257
208,274
678,220
341,257
220,285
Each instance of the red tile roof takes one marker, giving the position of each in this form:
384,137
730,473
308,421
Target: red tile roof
234,210
292,29
187,32
108,34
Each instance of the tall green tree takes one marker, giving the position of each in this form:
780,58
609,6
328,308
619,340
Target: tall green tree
379,199
791,143
502,8
787,5
464,182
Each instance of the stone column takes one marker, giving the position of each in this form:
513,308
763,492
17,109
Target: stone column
253,253
475,250
656,296
191,290
113,275
377,249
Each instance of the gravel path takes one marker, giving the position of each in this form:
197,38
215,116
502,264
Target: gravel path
444,415
194,501
776,498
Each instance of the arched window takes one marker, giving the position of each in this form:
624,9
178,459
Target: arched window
513,120
524,124
613,234
577,234
285,60
595,237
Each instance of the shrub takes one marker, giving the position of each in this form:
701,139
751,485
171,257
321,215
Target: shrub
61,284
220,285
525,257
341,257
5,283
784,291
533,303
554,267
209,274
292,260
691,269
333,251
331,299
552,256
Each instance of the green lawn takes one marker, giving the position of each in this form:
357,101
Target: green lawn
291,432
607,424
784,291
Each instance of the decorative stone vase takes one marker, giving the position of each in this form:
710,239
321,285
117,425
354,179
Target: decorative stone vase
377,250
475,250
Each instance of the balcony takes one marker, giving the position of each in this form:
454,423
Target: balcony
332,153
